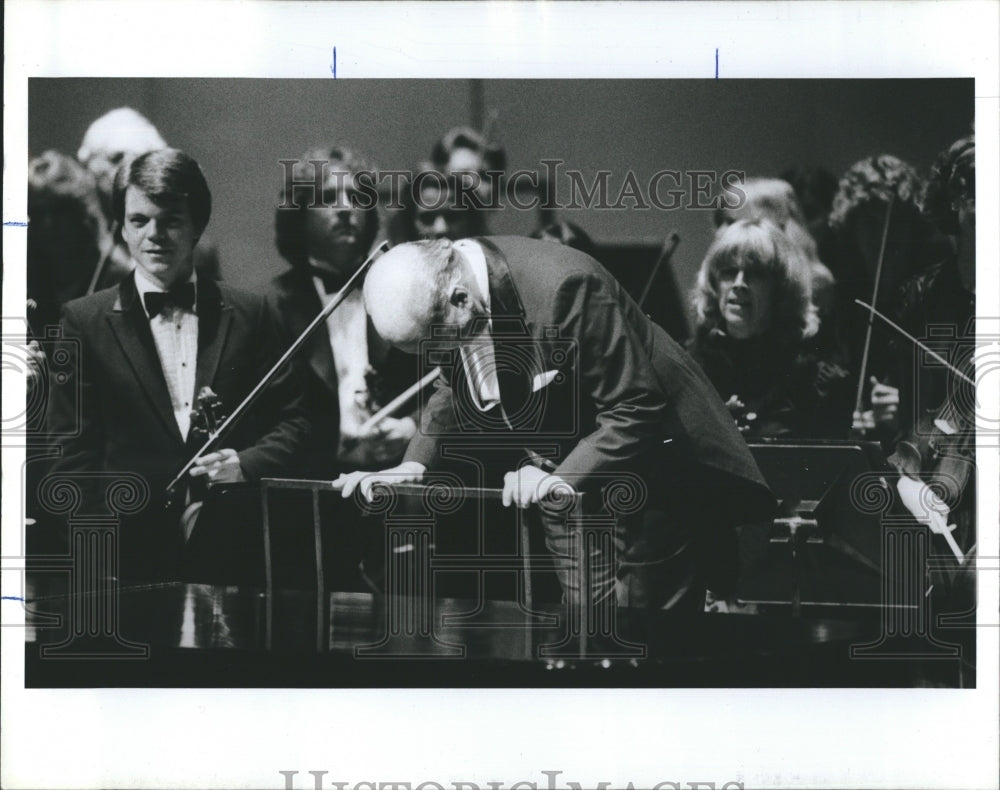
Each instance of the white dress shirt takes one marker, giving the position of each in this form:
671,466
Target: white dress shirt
347,327
175,333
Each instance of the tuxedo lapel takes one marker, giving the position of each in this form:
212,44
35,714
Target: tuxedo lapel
515,353
130,327
214,320
303,306
504,299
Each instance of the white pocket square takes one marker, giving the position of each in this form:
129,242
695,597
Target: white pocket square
543,379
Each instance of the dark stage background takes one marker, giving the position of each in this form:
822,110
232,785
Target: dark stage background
239,128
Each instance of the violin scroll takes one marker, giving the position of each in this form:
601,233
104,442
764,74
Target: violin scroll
207,416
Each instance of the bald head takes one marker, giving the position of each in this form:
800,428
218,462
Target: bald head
416,286
113,140
120,131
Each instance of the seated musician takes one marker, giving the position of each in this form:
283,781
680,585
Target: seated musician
628,400
463,154
439,205
877,197
755,336
774,199
65,235
65,230
349,371
814,189
146,348
937,443
449,195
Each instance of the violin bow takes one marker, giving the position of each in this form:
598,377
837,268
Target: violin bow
256,392
922,346
398,401
871,319
104,260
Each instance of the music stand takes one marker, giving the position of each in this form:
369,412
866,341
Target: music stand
823,550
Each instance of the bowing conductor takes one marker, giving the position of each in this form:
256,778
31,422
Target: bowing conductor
550,352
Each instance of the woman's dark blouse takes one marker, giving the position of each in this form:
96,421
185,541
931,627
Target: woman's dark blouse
793,392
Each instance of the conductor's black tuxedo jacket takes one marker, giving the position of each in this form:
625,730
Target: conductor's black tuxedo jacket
605,388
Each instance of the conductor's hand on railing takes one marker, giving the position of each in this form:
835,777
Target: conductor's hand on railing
529,485
406,472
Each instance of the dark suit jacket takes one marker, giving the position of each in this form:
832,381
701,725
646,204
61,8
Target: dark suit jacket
296,304
114,412
625,396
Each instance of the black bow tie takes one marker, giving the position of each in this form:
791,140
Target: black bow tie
178,296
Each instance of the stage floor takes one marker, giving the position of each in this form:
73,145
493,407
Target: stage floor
193,635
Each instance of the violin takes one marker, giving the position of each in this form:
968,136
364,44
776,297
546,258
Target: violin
942,445
936,461
206,418
937,458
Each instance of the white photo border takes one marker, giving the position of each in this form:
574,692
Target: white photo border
244,738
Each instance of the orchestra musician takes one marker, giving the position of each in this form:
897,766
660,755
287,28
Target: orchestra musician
351,370
774,199
643,406
450,195
755,336
878,240
937,441
350,373
815,188
463,156
146,346
66,234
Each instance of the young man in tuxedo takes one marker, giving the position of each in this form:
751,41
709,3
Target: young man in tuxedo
146,349
109,143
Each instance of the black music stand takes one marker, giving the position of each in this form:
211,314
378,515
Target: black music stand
823,550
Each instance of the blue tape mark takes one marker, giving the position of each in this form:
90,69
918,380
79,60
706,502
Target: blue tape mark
13,598
15,224
333,66
717,63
